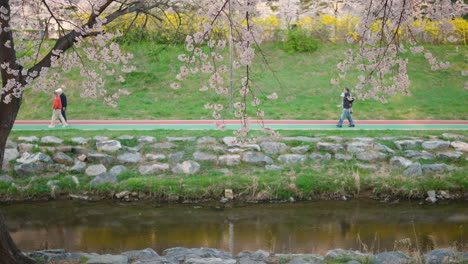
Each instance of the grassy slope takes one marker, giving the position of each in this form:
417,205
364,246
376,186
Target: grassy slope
305,90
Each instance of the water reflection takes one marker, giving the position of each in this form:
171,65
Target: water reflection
312,227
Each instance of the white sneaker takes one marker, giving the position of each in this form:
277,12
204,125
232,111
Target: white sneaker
51,126
65,125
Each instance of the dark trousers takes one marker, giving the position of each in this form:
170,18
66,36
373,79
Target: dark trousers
64,116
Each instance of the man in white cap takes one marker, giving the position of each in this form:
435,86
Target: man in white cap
63,99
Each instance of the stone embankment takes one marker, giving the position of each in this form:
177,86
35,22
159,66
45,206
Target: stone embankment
213,256
100,160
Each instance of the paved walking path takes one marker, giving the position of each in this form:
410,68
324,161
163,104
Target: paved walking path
233,124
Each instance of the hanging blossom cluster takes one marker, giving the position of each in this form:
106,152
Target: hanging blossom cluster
207,54
89,49
383,70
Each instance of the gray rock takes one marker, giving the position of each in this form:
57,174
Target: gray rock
126,137
186,167
407,144
418,154
364,139
433,168
64,148
28,139
100,158
400,162
273,148
371,155
117,170
230,141
317,156
176,156
47,149
9,155
352,262
300,149
256,158
250,147
292,158
95,170
229,160
63,158
11,144
339,156
431,196
155,260
100,138
258,255
210,261
35,157
108,259
340,253
181,139
29,169
146,139
82,157
273,167
366,166
202,156
450,155
414,169
383,148
207,140
155,156
104,178
5,178
453,136
78,167
56,167
392,257
80,150
51,140
48,255
180,254
329,147
224,171
79,140
436,144
147,253
164,145
135,148
309,258
26,147
439,256
153,169
301,138
355,147
459,146
108,145
129,157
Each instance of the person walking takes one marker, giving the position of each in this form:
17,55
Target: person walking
63,99
57,111
346,105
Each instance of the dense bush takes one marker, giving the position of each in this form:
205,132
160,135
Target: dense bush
298,40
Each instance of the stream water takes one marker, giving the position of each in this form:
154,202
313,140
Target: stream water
306,227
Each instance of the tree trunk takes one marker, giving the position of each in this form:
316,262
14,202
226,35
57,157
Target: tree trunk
9,253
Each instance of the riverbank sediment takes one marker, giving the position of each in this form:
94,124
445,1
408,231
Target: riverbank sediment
180,167
213,256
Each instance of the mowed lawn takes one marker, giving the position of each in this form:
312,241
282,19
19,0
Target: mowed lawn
302,81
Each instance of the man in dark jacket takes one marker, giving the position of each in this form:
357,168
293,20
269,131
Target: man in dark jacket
347,104
63,98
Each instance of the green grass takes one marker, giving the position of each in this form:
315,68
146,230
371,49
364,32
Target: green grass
304,89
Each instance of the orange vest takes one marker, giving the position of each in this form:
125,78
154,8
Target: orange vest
57,103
